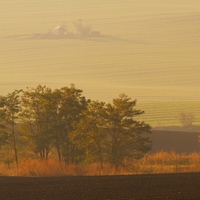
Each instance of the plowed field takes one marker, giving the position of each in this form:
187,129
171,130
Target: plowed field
134,187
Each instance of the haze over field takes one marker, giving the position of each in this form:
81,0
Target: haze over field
150,52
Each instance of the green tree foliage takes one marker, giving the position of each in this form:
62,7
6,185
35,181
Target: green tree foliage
10,109
36,116
90,134
48,116
70,104
110,133
126,134
80,130
3,130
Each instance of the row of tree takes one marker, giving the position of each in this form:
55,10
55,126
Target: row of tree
78,129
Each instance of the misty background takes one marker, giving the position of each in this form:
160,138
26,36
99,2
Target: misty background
150,52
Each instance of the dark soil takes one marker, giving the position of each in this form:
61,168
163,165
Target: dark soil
162,186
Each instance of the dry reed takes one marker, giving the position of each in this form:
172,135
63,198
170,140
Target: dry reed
161,162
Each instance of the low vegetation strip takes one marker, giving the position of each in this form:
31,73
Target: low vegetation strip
157,163
136,187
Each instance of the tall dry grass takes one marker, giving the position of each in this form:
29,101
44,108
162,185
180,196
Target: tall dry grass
169,162
161,162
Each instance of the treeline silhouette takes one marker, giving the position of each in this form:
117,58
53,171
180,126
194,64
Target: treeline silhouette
79,130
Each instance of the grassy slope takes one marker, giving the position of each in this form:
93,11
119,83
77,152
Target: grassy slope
165,113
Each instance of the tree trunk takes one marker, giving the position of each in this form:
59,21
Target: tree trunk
59,154
100,153
14,143
47,153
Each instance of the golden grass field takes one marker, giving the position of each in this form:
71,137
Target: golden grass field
150,52
157,163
